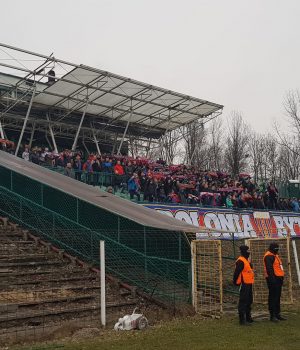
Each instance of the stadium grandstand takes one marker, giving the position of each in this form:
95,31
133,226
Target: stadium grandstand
79,111
75,105
67,182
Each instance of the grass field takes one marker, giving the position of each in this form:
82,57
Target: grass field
194,333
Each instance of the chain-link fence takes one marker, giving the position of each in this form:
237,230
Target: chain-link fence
207,277
213,263
46,293
136,254
258,249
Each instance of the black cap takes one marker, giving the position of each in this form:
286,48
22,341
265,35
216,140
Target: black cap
273,247
244,248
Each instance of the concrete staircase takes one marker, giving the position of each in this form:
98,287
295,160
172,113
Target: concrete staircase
42,288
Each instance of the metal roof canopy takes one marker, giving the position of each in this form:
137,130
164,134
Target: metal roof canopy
119,99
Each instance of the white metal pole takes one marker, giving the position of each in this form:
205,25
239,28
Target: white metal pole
79,127
97,145
193,262
1,131
96,142
47,139
126,128
102,282
32,134
52,135
85,147
296,260
25,122
124,134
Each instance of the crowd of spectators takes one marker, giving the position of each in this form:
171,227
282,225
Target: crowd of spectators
156,181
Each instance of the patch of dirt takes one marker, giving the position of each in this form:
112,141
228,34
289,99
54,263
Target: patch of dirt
85,333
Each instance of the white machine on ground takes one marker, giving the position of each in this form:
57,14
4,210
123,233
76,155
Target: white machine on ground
133,321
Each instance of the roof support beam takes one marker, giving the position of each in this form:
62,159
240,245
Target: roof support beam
25,122
96,141
115,143
47,139
1,131
79,127
85,147
125,132
52,134
32,134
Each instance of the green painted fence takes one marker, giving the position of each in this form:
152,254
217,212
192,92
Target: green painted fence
148,258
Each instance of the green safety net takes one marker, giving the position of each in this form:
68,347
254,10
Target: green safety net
156,261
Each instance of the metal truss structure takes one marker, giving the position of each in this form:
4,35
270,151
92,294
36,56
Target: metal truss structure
63,100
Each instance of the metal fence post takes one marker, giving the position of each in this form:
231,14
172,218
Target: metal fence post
11,180
194,277
296,260
42,194
77,211
145,253
179,247
21,209
102,282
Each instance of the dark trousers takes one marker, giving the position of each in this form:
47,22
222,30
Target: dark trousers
246,299
95,179
274,296
133,193
78,175
88,178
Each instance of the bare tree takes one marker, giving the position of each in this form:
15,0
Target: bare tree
292,108
216,146
236,150
271,158
195,143
290,140
288,163
168,145
289,143
256,152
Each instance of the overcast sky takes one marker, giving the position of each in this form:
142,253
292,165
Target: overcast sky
239,53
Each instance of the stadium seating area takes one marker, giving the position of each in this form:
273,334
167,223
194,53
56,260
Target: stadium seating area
155,181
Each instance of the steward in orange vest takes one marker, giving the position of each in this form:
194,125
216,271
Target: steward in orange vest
244,277
274,274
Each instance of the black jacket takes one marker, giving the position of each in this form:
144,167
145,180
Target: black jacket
239,266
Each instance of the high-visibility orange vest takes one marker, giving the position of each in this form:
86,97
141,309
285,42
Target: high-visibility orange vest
277,265
247,275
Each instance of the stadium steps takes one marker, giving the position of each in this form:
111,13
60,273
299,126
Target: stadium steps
41,288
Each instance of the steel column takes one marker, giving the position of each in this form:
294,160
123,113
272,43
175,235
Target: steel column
1,131
79,127
102,283
31,135
52,135
25,122
47,139
115,143
84,145
125,132
96,141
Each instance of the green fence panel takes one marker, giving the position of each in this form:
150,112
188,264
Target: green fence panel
60,202
27,187
5,177
149,270
96,218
